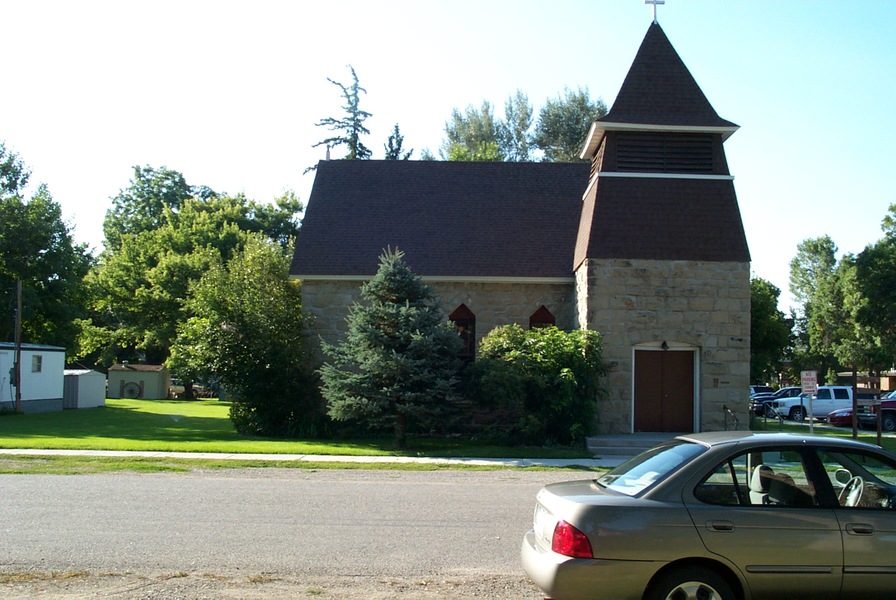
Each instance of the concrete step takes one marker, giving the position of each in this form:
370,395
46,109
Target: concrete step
628,444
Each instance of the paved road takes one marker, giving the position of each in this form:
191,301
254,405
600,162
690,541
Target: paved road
346,524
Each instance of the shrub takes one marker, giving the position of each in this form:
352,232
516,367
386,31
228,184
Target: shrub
537,386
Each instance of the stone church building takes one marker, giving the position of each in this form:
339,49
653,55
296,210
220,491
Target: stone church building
642,241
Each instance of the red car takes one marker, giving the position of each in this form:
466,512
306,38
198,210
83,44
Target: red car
867,416
842,417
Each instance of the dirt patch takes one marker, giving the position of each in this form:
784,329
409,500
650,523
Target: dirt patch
196,586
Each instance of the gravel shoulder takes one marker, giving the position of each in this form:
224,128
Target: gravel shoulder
273,586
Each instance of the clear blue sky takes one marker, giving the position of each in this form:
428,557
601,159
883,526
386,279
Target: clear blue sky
227,92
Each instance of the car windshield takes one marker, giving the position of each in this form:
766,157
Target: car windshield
637,474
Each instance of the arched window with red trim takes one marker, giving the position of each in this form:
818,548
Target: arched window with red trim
542,318
465,323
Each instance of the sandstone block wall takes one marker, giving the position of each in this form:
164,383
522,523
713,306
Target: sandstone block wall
700,305
327,304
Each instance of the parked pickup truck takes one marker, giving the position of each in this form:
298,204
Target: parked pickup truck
827,399
759,402
887,410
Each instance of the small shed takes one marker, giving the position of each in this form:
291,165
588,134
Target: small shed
83,388
149,382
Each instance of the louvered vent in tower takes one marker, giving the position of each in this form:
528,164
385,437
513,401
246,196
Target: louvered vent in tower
665,153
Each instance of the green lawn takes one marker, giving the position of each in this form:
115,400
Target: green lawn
204,426
773,425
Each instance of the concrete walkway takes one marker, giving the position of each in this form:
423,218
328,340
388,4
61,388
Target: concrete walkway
601,462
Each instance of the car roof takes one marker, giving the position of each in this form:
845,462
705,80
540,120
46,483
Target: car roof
721,438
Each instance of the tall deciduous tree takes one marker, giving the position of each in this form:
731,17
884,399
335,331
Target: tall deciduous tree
14,174
559,132
473,135
398,363
514,131
770,331
815,262
38,249
853,341
140,287
564,122
876,280
349,128
143,204
811,274
246,331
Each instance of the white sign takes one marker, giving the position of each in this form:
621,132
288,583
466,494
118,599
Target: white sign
810,381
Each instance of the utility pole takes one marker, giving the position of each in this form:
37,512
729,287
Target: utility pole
18,365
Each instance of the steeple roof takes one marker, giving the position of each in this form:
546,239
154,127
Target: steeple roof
660,90
659,93
651,210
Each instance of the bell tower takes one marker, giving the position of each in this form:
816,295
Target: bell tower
661,261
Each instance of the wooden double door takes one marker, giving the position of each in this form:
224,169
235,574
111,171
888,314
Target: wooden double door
664,391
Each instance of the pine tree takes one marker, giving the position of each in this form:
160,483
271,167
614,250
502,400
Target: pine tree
351,127
394,150
398,363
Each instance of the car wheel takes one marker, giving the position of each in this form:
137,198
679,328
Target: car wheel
770,413
797,413
888,422
690,583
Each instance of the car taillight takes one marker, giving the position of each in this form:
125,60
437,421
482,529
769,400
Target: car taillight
569,541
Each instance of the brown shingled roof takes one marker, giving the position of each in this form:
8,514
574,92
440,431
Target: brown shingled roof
521,220
662,219
660,90
509,220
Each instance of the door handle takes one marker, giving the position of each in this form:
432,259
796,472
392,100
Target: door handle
860,529
720,525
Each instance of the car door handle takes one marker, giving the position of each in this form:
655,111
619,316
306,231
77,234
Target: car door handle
720,525
859,529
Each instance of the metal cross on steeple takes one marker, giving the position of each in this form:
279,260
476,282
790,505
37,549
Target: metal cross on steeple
654,2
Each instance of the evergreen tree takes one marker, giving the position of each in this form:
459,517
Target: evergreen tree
351,127
398,363
394,151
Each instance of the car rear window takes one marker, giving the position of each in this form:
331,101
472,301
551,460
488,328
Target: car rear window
641,472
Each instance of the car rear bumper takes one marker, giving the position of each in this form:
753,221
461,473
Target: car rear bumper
564,578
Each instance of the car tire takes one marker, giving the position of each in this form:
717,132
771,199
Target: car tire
690,582
797,413
770,413
888,421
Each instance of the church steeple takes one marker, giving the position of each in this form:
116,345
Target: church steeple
660,188
660,90
659,94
